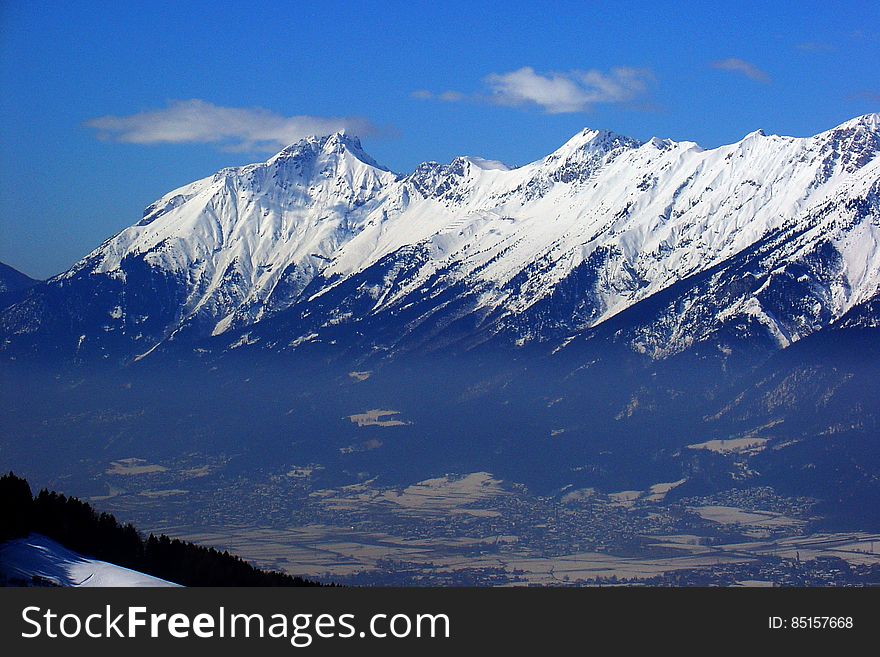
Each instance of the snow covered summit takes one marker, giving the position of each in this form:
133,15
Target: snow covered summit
321,236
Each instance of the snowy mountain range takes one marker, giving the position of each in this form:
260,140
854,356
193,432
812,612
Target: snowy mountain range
766,240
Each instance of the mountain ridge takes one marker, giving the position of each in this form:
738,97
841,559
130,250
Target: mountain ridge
536,253
13,284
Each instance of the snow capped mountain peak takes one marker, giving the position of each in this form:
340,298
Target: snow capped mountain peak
659,144
851,145
488,165
599,225
593,140
343,142
862,131
338,144
869,122
231,241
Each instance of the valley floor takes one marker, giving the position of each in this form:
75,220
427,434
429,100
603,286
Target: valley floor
477,530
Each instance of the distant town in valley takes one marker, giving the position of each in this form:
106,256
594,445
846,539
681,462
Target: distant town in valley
463,530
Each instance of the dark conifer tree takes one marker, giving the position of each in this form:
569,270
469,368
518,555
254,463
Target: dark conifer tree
77,526
17,507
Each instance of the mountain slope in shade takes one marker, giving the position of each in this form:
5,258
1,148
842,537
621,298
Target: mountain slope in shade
770,238
13,284
42,560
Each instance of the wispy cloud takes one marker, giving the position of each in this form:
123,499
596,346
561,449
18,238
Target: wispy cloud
445,96
742,67
870,96
817,47
233,128
555,93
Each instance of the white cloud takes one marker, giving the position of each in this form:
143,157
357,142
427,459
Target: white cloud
556,93
235,128
446,96
815,47
870,96
451,96
575,91
743,67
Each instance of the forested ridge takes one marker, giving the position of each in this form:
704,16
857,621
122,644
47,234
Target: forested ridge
79,527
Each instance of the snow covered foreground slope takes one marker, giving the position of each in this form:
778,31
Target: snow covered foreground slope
321,237
36,556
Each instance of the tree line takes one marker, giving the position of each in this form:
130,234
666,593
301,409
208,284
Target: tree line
79,527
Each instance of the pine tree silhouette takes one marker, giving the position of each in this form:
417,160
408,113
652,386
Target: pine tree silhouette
77,526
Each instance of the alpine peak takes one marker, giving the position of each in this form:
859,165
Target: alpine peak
596,140
336,144
321,237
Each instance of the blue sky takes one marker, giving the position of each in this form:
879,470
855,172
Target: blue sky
105,106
